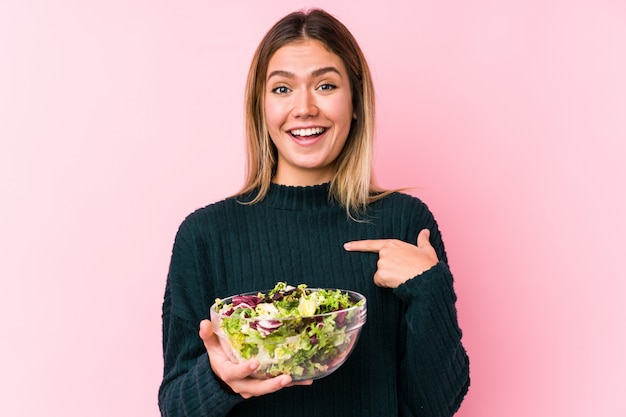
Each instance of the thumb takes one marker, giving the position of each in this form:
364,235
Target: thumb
423,238
206,329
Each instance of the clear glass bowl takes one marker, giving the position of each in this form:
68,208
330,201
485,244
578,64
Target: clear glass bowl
305,347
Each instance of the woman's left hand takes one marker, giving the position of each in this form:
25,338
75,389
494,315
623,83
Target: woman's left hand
398,261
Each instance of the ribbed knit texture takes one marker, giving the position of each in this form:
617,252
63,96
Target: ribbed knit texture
409,360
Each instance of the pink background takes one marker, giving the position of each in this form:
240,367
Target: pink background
119,117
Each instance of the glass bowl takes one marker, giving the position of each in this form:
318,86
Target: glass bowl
305,346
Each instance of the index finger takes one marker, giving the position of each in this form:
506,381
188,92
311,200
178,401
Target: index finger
367,245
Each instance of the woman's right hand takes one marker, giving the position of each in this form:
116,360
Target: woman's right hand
237,376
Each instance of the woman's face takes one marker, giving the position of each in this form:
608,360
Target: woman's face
308,111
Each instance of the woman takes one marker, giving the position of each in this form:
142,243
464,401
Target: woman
309,213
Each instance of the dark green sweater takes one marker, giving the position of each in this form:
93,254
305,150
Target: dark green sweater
409,360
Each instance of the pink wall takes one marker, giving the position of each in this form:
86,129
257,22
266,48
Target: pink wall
118,118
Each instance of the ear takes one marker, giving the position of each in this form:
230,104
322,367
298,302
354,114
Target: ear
354,116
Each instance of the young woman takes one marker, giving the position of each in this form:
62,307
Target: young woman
310,213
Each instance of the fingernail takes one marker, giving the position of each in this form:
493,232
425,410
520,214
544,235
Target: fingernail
347,246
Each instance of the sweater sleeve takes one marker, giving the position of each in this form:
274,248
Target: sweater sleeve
189,388
434,367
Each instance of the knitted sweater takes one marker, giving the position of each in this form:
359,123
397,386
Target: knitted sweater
409,360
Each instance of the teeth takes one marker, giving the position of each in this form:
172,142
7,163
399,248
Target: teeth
307,132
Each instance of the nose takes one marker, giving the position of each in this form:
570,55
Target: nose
305,104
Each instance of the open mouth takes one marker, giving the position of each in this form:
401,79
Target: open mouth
307,133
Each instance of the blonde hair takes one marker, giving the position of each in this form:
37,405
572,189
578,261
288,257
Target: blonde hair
352,185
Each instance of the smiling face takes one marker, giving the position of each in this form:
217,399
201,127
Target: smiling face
308,111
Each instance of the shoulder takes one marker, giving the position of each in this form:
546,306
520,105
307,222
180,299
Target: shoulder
209,217
401,202
404,198
402,210
212,209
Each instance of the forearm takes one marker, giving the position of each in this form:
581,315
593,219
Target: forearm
189,387
434,368
196,393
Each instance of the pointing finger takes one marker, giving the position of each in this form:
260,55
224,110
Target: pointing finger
368,245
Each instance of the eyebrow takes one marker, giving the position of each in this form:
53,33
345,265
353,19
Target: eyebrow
316,73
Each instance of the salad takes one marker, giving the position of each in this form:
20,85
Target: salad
306,333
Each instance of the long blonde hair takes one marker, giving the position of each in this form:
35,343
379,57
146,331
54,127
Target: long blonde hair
352,185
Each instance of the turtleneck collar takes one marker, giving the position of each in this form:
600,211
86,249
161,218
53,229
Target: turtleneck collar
299,198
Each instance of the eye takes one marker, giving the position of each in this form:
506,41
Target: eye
281,89
327,87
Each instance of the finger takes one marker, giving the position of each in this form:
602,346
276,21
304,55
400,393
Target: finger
423,238
368,245
240,371
210,339
212,343
305,382
255,387
206,329
206,334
